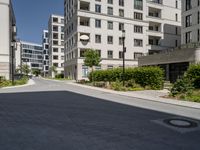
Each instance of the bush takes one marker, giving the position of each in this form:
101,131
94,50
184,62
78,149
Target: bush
193,74
118,86
144,76
59,76
182,86
6,83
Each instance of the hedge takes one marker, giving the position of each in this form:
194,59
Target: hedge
193,74
144,76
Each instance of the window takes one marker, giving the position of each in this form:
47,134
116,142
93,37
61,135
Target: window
138,29
138,4
121,2
188,37
120,55
176,16
110,1
188,21
138,16
97,67
176,43
62,57
62,50
85,71
55,50
176,30
82,52
110,40
121,12
120,40
55,35
55,19
55,57
98,52
98,8
121,26
110,54
110,11
110,67
55,42
55,28
98,23
62,36
97,38
188,5
176,4
198,35
137,55
62,21
55,64
198,17
138,42
110,25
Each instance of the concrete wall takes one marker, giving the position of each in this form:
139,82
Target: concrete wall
176,56
195,26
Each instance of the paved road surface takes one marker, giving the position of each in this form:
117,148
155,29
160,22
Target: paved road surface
49,116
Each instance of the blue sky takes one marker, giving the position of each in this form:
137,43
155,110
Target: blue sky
32,17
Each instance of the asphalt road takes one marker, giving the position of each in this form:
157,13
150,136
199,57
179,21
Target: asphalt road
49,116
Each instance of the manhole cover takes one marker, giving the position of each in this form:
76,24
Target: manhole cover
181,123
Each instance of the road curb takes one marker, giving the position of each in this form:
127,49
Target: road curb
188,104
30,82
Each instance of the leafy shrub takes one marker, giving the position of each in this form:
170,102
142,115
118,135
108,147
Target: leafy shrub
193,74
59,76
182,86
144,76
118,86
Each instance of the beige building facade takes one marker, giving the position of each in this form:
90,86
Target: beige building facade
7,39
149,27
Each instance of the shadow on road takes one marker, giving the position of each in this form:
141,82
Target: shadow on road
59,120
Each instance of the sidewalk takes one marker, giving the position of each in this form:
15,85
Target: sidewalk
150,95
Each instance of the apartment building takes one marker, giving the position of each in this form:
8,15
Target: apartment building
32,55
150,27
45,45
56,43
190,21
7,39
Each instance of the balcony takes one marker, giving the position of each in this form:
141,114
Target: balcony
156,1
154,12
84,6
84,21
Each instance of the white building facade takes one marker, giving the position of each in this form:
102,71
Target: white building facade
45,44
56,44
32,55
151,26
190,21
7,39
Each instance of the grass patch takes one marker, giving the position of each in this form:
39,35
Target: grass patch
194,96
7,83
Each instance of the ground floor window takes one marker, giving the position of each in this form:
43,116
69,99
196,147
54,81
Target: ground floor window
85,71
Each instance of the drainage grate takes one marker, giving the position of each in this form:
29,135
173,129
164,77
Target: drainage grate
179,124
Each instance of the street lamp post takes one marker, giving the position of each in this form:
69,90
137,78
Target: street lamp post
124,50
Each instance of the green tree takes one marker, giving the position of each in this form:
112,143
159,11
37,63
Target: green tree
25,69
91,59
36,72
